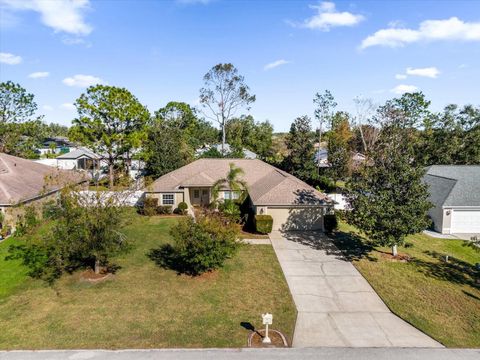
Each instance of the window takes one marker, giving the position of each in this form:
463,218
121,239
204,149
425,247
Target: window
167,199
196,194
227,195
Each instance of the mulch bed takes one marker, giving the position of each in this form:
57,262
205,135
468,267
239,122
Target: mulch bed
399,257
278,339
90,276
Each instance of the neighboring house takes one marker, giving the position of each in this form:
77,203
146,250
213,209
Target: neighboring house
293,204
25,181
321,158
56,145
455,193
227,150
79,159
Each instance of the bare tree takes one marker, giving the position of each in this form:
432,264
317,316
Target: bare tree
224,93
323,113
364,110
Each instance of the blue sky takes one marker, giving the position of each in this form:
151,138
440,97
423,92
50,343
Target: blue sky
160,50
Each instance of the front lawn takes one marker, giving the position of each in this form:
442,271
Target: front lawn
441,299
145,306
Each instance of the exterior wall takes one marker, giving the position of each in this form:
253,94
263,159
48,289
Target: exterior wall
177,198
13,213
294,218
444,225
66,164
437,215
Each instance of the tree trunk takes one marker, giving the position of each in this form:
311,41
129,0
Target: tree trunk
319,142
97,266
223,137
110,174
394,250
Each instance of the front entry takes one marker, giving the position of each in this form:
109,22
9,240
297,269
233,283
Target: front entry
200,196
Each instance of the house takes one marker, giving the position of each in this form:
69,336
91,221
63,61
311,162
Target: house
321,158
226,150
25,181
455,193
293,204
55,145
79,159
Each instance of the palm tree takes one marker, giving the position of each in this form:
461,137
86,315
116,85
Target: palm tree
232,182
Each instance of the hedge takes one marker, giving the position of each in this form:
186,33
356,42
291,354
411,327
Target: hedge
150,206
330,223
182,208
263,224
163,210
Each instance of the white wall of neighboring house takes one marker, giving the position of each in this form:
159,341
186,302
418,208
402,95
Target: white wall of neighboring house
341,202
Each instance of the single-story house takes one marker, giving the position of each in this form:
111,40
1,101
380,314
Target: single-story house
293,204
321,158
79,159
455,193
25,181
56,145
226,150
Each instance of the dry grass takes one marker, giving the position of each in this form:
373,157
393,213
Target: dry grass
148,307
441,299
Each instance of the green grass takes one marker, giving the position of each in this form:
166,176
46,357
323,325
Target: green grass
145,306
441,299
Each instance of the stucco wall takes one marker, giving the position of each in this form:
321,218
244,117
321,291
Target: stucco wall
296,218
177,198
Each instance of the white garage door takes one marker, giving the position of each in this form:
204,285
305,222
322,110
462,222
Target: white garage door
296,218
465,221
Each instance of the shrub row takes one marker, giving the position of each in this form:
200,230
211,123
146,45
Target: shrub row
263,224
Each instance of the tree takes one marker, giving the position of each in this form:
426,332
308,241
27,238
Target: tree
16,108
233,182
364,110
244,131
323,113
339,148
224,93
86,233
111,120
165,149
387,197
299,141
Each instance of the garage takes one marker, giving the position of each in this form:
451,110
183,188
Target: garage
296,218
465,221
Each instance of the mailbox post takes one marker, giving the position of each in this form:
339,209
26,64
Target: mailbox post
267,320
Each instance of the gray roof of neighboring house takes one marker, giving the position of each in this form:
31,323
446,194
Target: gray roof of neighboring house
228,149
454,185
22,180
79,152
267,185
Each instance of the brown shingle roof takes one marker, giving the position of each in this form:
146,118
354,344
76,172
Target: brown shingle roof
267,185
22,179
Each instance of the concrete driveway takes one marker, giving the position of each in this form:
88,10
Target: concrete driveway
336,306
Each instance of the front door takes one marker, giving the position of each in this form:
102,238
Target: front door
205,199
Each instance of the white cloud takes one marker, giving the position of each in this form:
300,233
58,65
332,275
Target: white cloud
400,76
327,17
10,59
402,88
39,74
68,106
47,107
431,72
275,64
429,30
81,80
61,15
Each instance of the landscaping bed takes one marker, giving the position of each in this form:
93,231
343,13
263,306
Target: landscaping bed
143,305
440,298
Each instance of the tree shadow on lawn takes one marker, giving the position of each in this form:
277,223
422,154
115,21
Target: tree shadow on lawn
166,257
455,270
352,246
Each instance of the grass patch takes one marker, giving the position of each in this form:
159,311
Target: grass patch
145,306
441,299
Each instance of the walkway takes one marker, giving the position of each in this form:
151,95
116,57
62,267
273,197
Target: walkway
336,305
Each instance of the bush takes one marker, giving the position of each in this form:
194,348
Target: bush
182,208
330,222
231,210
263,224
199,246
164,210
27,221
51,210
150,206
